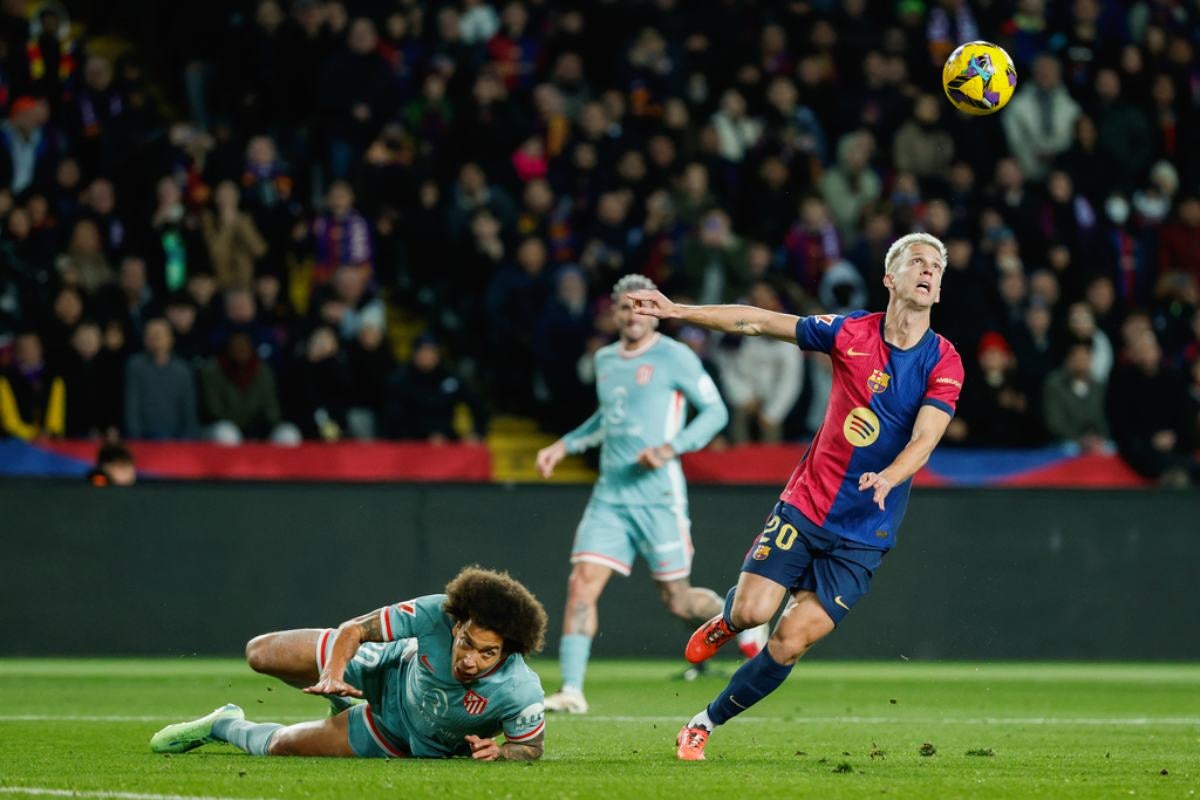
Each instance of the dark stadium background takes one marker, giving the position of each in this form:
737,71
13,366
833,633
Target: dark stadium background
389,229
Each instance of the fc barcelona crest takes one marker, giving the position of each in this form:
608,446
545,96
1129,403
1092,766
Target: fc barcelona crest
761,552
644,373
878,381
474,703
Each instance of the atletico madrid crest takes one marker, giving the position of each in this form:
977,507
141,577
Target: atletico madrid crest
474,703
644,373
878,382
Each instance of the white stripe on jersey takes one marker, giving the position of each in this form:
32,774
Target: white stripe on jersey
674,423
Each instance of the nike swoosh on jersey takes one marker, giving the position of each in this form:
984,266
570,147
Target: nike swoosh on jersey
852,352
838,600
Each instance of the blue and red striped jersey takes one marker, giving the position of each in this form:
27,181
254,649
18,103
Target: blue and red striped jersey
877,391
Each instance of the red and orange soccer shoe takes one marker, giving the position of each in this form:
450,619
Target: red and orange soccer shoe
689,744
708,639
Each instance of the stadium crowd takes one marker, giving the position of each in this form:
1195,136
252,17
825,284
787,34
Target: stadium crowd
215,232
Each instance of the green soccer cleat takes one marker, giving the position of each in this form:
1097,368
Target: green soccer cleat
184,736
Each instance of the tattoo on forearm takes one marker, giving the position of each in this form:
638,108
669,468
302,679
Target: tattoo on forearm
511,751
371,630
740,325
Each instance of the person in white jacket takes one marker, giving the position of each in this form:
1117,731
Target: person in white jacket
1040,121
762,377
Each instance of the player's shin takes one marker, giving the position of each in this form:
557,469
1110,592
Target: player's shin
753,681
573,652
727,609
251,737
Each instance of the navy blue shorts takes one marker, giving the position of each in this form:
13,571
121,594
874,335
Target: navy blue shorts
797,554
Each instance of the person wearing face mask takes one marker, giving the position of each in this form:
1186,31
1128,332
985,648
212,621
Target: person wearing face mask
441,675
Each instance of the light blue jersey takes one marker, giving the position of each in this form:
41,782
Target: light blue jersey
415,706
643,398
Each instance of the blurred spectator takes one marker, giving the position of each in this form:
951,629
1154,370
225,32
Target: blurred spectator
319,387
234,243
515,300
99,206
84,264
714,262
114,466
1147,412
95,103
1073,401
737,131
369,362
811,245
923,145
67,312
472,192
29,147
33,397
559,336
1179,241
354,91
1123,134
160,390
1040,120
180,313
174,245
240,397
1081,325
761,377
851,185
342,235
997,411
422,397
92,376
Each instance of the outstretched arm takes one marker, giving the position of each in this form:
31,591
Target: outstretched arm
350,635
927,432
744,320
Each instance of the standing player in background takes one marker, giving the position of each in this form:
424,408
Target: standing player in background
639,505
441,675
895,386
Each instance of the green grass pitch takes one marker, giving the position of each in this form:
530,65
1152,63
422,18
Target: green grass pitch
834,730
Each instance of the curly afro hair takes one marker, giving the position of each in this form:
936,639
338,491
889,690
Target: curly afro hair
498,602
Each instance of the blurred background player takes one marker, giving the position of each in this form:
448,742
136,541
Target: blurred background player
896,383
464,647
644,382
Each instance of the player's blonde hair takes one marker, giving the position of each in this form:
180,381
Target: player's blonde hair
898,252
631,283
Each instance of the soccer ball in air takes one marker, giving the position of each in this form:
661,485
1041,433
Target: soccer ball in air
979,78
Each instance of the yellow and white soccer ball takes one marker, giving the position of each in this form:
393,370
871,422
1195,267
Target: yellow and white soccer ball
979,78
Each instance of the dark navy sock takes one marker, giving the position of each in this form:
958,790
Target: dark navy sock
753,681
727,610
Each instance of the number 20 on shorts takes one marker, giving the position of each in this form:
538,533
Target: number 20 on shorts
785,533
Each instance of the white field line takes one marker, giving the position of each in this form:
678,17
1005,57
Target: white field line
39,791
837,720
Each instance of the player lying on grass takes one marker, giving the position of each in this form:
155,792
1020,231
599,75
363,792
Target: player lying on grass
895,387
442,675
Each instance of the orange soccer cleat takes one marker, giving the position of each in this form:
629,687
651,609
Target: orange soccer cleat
707,640
689,744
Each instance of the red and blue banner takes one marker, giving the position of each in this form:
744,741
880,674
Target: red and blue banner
769,465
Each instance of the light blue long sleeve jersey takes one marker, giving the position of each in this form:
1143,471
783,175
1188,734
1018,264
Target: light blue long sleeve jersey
643,397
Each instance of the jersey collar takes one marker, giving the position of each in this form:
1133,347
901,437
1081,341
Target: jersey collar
653,340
